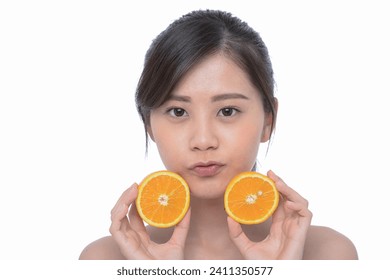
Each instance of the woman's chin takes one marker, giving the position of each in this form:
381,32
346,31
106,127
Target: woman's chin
207,193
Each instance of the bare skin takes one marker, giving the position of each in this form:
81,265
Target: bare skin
322,243
200,133
189,240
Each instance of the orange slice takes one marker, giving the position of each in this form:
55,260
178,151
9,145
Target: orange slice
251,198
163,199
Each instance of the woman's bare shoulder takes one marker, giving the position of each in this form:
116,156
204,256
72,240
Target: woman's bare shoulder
102,249
324,243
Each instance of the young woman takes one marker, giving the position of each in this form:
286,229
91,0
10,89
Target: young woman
206,97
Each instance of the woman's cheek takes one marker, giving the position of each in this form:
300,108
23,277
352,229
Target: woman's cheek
171,147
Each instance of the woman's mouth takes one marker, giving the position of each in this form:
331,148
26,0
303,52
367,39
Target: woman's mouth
207,169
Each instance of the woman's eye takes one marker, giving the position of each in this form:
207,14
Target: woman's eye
227,112
177,112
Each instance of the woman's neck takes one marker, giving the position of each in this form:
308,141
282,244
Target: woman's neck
208,237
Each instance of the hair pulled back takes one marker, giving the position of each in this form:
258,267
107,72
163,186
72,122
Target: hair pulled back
192,38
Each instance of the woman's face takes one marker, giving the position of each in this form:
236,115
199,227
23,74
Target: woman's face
211,127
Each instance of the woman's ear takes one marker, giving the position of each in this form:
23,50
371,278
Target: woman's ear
269,122
150,132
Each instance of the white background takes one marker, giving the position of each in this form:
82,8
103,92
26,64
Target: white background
71,140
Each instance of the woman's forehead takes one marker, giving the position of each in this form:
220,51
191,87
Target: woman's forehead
217,74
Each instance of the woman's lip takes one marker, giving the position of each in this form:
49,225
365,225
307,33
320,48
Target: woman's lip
207,169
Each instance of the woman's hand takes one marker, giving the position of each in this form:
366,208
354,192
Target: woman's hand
129,232
287,236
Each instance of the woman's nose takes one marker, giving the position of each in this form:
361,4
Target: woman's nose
203,136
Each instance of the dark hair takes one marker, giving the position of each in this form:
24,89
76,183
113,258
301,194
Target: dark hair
190,39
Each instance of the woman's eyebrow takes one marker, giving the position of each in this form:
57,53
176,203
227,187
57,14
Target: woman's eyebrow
181,98
215,98
225,96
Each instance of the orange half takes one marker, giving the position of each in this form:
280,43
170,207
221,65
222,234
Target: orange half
163,199
251,198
